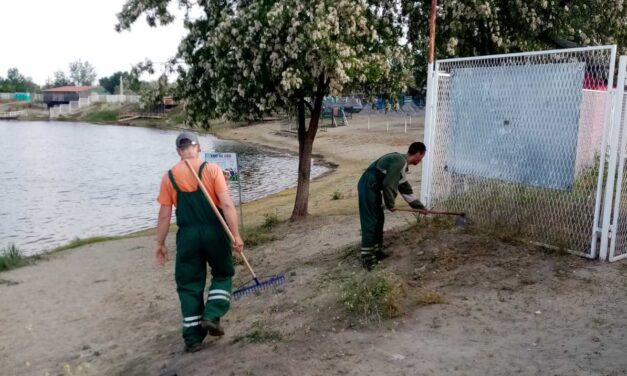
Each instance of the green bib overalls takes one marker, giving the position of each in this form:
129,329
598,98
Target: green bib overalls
200,240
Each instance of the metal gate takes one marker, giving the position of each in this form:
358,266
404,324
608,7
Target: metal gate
520,143
615,231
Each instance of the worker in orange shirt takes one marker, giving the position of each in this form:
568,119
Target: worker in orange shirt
200,240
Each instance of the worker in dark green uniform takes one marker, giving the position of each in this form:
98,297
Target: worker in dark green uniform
200,240
379,184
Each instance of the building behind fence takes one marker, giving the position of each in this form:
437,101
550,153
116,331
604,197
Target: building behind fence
68,100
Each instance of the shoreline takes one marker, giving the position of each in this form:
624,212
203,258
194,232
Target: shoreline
149,231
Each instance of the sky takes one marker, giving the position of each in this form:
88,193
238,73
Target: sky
40,37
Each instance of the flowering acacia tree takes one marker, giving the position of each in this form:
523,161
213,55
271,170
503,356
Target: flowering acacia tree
250,58
471,28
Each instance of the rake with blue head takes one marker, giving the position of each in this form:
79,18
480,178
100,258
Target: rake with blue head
256,284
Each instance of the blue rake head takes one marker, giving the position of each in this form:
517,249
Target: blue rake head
256,285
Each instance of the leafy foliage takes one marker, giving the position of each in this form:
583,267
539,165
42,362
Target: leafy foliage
16,82
250,58
152,93
60,79
82,73
471,28
112,83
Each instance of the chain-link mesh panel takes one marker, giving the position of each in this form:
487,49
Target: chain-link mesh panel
517,142
620,251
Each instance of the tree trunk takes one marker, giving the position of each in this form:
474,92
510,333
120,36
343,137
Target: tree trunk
305,146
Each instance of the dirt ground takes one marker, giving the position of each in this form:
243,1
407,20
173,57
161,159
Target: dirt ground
474,305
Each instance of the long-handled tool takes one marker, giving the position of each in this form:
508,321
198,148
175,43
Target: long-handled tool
255,284
460,221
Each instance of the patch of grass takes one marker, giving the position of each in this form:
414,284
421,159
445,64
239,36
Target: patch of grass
337,195
270,220
104,116
512,212
80,242
253,237
256,236
260,333
373,296
11,257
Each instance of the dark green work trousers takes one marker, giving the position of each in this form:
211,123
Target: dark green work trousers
200,240
371,216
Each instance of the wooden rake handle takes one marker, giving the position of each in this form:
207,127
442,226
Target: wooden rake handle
217,213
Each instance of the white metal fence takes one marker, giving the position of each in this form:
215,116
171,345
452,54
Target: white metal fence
108,98
75,106
615,229
70,108
519,143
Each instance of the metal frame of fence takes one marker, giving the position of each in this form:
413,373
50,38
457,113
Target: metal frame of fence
614,236
562,118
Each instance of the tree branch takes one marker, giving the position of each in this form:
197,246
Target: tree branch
557,41
308,105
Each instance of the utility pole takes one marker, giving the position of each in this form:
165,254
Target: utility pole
434,10
121,85
430,107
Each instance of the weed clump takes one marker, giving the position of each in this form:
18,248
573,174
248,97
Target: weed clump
11,257
260,333
270,220
431,297
254,236
337,195
375,296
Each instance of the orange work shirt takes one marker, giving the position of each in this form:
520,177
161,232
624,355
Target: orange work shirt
212,178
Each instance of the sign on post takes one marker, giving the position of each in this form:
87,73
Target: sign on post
230,168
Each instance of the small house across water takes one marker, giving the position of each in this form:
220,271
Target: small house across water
66,94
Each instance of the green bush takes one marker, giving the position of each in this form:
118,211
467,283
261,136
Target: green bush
374,296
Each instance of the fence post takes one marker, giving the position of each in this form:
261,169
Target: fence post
622,81
614,142
432,87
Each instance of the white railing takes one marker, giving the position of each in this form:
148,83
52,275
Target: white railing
113,98
11,115
75,106
70,108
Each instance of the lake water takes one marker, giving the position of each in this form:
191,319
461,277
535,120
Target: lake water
65,180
